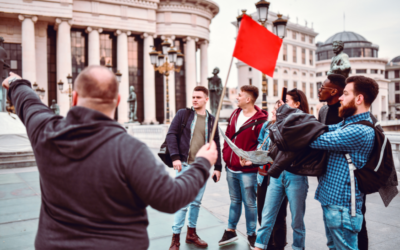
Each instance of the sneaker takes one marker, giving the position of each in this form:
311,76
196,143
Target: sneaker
228,237
251,240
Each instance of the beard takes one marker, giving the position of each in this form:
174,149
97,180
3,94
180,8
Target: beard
348,110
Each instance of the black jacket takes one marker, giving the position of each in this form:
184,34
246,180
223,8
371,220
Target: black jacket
291,134
96,180
174,147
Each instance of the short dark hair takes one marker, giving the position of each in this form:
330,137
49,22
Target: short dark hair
299,96
364,86
202,89
337,80
251,90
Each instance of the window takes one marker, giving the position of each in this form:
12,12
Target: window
303,37
294,84
397,98
52,87
374,71
303,56
368,52
397,74
311,111
311,90
285,52
386,75
311,58
311,40
14,57
285,83
135,67
326,73
361,71
295,73
249,69
276,70
294,54
391,74
275,87
304,73
294,35
108,53
285,71
382,72
319,85
397,86
319,74
250,81
312,75
78,52
303,88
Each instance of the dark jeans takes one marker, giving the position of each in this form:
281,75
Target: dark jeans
278,236
363,234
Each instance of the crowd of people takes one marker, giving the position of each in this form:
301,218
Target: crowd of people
97,180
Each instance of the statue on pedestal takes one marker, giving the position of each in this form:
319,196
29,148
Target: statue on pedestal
132,100
340,62
215,90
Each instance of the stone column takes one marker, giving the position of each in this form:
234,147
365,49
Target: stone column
171,90
148,81
64,62
41,58
94,45
204,64
190,67
28,47
123,67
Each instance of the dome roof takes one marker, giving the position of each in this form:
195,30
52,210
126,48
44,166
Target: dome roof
396,59
346,36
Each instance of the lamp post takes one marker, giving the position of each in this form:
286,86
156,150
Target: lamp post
165,61
67,91
279,30
39,91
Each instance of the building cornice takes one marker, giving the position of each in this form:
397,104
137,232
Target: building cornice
300,44
186,8
147,4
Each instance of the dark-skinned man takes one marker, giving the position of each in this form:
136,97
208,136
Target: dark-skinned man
330,92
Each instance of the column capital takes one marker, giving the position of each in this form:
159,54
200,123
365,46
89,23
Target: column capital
119,32
23,17
204,42
90,29
61,20
145,35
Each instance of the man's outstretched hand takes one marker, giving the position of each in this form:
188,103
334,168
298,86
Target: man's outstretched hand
209,151
5,83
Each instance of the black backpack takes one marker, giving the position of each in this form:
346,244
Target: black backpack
376,172
164,153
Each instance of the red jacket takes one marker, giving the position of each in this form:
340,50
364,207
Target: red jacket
246,140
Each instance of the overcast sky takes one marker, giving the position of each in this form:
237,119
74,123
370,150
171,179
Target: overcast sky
377,20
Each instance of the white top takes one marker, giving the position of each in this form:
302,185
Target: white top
241,120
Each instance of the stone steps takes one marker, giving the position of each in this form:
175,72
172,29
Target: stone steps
17,160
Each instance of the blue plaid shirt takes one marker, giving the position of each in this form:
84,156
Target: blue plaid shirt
357,140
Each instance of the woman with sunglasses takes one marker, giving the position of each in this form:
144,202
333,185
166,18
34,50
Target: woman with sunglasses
294,187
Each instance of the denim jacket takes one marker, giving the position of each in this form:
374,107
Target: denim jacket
264,133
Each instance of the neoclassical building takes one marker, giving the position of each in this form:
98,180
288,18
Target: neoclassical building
295,67
392,74
364,61
49,39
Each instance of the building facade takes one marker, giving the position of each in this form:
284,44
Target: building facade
364,61
295,67
392,73
49,39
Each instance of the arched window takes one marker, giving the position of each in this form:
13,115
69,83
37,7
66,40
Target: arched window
295,73
285,72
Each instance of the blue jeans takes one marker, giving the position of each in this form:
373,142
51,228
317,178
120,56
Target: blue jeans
242,188
194,208
295,187
341,228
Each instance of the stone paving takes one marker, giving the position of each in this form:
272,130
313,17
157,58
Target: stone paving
20,203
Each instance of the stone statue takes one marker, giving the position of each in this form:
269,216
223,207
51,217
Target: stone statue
132,100
54,106
215,88
340,62
3,57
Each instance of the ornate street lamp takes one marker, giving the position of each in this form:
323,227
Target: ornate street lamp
67,91
240,17
35,86
279,30
39,91
119,76
164,62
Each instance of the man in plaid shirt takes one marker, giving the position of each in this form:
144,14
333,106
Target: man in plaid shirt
334,189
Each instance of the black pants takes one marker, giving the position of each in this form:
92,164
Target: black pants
278,235
363,234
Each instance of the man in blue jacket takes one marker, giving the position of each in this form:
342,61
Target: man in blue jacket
196,133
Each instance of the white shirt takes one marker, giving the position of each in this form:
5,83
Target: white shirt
241,120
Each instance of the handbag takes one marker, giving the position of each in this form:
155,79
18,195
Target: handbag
163,153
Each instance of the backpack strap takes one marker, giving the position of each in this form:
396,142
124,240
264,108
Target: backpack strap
248,126
353,184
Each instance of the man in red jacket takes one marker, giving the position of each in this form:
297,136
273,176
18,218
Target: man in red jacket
243,129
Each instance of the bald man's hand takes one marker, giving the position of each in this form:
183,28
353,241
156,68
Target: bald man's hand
6,84
209,151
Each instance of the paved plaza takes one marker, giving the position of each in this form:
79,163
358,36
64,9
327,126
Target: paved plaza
20,204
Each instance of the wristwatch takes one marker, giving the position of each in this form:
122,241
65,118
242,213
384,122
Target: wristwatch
12,79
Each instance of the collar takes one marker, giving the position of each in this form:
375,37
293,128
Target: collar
334,105
357,118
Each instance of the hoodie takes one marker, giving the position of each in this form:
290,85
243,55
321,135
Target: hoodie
96,180
246,140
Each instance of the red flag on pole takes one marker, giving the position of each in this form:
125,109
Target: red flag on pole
257,46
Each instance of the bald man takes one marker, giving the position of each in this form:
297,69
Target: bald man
96,180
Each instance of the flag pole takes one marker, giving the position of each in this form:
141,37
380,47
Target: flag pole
220,104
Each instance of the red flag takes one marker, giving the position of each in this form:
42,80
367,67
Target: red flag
257,46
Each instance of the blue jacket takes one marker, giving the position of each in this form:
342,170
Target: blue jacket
174,147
